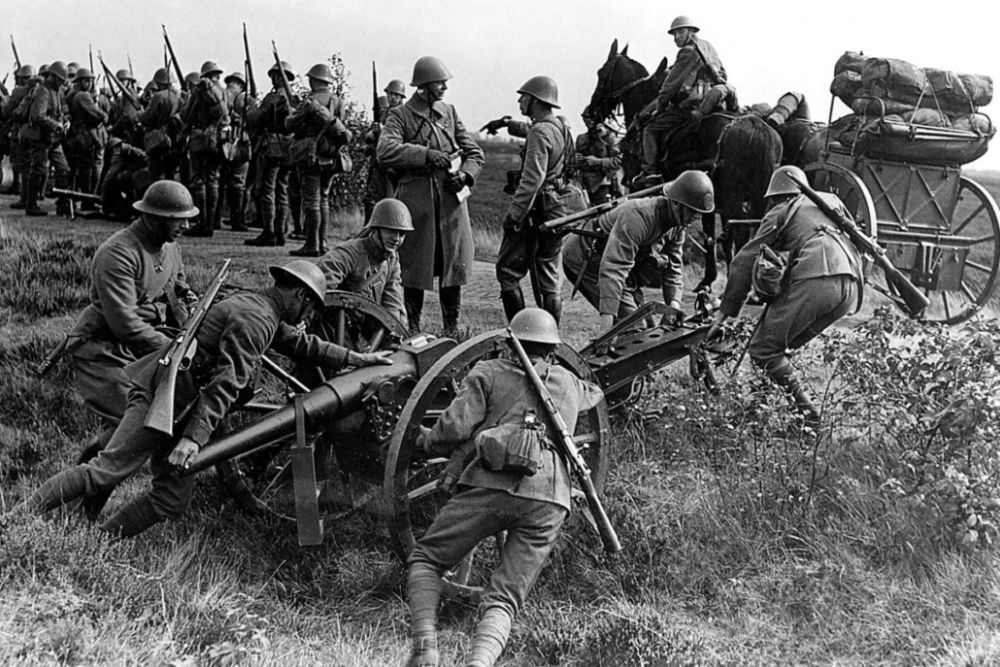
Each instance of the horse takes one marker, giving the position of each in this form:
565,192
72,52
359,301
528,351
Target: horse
739,151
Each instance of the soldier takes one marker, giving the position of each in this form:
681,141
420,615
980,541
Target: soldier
272,142
369,265
525,248
598,161
161,119
87,134
696,69
434,158
317,122
379,185
125,178
530,509
43,134
206,115
236,154
124,114
235,334
642,248
15,112
824,282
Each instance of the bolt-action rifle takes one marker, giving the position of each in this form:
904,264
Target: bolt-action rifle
246,50
177,357
594,211
284,77
13,47
118,85
914,300
567,448
375,118
173,58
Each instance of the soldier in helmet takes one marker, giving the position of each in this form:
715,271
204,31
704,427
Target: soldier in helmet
369,264
236,154
598,161
318,121
234,335
206,114
696,69
161,120
87,133
272,142
14,112
379,185
531,509
823,282
426,145
43,133
125,177
642,244
548,154
125,111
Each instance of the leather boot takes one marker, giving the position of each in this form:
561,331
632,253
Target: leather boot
423,595
22,201
413,299
132,519
92,505
784,376
324,223
553,304
513,302
33,193
58,490
62,202
490,638
451,304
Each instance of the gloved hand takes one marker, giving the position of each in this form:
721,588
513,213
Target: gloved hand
370,358
438,159
493,126
673,317
455,182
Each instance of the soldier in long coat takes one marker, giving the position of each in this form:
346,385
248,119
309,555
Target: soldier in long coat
426,144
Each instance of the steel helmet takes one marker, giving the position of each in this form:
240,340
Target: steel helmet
304,272
397,87
121,75
285,66
543,89
782,184
210,67
535,325
236,75
429,69
26,71
391,214
192,78
162,77
58,69
682,22
320,72
167,199
693,189
84,73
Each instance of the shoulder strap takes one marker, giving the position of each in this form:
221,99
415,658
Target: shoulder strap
567,146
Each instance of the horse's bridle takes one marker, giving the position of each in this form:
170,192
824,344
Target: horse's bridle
614,97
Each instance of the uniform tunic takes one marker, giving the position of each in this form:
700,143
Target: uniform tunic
441,243
599,180
362,267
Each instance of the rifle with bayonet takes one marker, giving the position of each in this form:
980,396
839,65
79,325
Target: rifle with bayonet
594,211
284,77
118,85
13,47
173,58
914,300
375,109
246,50
128,57
566,447
177,357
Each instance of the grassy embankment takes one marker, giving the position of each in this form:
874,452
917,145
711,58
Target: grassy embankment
745,543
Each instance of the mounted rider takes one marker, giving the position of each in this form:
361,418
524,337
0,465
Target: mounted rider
697,68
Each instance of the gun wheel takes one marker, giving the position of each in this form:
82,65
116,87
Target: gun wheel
411,497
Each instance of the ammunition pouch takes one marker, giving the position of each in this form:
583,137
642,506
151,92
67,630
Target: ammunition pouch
204,140
512,448
768,274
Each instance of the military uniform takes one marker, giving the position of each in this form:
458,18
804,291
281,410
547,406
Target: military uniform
125,178
599,176
43,134
363,267
14,112
271,143
85,141
530,509
643,248
158,117
205,113
234,335
441,244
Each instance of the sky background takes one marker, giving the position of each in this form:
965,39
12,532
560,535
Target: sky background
492,47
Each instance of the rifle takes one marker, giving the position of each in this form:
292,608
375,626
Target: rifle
173,58
67,346
3,85
246,50
914,300
716,76
13,47
284,77
567,448
90,54
375,118
117,85
593,211
128,57
177,357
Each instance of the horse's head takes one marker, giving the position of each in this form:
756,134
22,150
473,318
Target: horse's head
614,77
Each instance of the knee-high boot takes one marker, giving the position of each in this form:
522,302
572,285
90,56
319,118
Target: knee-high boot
413,299
784,376
451,304
130,520
22,201
33,194
553,304
490,638
513,302
423,595
57,490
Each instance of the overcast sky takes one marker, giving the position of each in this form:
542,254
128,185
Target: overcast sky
492,47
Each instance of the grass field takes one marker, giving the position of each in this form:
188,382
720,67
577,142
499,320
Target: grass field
745,543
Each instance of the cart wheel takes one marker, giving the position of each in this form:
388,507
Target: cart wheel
411,497
260,482
977,219
830,177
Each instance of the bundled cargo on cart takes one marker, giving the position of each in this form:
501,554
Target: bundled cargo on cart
908,112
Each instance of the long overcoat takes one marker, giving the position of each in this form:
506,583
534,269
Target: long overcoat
441,243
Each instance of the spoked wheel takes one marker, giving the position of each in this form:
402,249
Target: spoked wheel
848,186
357,322
411,497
